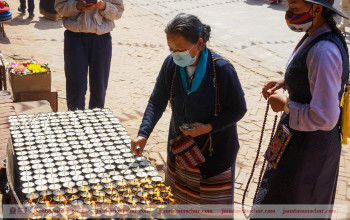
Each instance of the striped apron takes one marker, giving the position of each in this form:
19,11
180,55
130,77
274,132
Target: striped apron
189,187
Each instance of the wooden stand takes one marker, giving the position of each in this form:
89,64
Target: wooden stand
50,96
3,85
2,29
10,173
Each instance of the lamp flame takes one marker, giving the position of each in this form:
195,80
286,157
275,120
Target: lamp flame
145,196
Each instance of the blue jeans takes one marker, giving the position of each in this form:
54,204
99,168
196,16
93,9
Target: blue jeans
30,5
83,53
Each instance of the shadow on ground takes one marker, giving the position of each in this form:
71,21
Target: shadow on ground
4,40
42,24
21,19
46,24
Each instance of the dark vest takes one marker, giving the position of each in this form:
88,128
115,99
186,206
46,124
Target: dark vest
296,77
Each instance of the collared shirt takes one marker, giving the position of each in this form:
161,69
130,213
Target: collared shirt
324,63
89,21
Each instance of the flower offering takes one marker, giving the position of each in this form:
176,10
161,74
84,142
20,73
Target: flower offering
26,68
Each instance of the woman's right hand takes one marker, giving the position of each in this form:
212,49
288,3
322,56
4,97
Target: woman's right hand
82,5
137,145
271,86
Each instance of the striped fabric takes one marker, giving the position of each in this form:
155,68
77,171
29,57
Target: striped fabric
181,143
190,188
187,151
191,158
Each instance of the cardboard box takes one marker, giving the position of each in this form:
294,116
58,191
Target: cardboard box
29,83
50,96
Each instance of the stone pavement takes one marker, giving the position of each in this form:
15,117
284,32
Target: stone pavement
252,34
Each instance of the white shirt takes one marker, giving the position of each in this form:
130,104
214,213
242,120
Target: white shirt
191,70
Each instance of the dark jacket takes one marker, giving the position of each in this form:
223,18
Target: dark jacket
199,107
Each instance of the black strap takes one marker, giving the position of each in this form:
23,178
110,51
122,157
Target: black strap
171,101
217,107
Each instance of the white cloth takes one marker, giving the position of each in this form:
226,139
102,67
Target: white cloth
191,70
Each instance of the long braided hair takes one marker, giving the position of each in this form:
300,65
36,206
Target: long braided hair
328,15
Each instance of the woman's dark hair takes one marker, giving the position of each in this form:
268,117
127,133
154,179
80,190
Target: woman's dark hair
328,15
189,26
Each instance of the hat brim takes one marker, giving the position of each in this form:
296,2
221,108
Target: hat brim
329,6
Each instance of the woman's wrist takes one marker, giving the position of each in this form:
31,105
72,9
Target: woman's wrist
103,6
209,127
283,86
286,107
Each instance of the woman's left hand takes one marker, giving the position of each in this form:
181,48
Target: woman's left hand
198,129
100,4
277,102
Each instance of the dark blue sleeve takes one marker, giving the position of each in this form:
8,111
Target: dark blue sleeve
157,102
231,97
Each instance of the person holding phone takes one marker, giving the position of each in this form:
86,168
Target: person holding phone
186,78
88,48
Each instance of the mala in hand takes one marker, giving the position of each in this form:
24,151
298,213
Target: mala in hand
256,159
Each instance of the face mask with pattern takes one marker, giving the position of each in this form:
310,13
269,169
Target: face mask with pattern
299,22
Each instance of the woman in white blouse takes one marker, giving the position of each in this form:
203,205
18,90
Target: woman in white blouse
315,77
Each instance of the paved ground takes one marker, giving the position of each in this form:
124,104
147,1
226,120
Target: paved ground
251,33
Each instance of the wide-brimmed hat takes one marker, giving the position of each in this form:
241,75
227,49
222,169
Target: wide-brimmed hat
328,4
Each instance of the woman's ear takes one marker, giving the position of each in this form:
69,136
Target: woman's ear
318,9
200,44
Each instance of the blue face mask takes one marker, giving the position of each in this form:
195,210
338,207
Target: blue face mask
183,58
